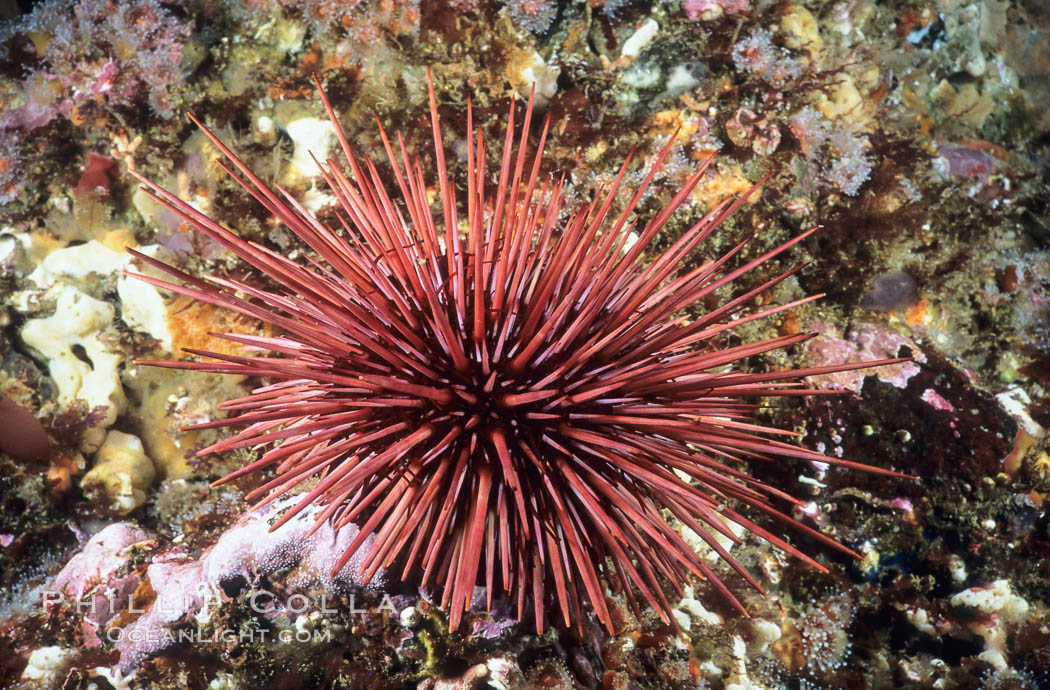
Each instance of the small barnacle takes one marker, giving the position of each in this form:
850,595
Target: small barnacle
741,126
767,139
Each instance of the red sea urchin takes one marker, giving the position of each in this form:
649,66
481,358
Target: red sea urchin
518,407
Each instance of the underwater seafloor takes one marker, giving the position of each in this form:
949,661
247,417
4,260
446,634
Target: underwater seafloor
915,134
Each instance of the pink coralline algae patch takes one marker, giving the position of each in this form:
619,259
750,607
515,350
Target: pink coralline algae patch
183,586
101,558
100,578
179,593
247,549
936,400
865,342
903,505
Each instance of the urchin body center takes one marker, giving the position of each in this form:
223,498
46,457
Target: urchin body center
496,402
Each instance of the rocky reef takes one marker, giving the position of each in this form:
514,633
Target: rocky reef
915,134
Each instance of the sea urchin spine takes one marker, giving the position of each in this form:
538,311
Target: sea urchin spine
515,408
